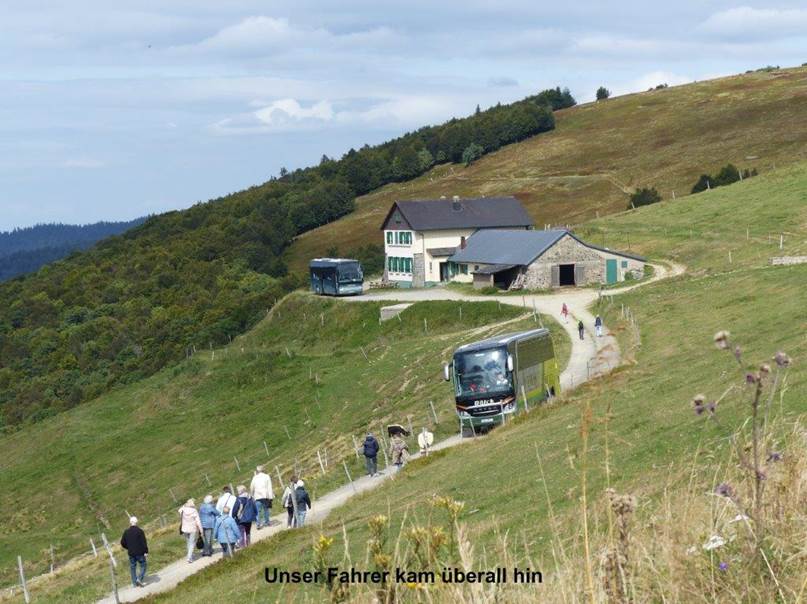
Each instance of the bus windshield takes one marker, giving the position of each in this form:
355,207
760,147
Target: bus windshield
482,372
350,272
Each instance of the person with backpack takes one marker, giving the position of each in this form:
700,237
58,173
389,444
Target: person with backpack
581,330
598,325
288,502
207,515
190,525
227,532
227,499
303,503
245,513
370,452
134,542
261,490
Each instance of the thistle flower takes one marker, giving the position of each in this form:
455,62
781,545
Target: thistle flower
723,566
722,340
781,359
775,456
697,402
764,369
724,490
711,407
750,378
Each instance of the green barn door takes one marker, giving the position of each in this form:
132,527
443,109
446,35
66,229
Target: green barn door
610,271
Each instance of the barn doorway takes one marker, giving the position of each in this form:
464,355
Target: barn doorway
566,274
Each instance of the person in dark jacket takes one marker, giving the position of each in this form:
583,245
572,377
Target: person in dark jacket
303,503
581,329
598,325
134,542
245,513
370,450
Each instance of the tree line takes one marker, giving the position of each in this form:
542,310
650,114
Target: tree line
137,302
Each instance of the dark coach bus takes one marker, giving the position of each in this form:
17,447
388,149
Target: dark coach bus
493,377
336,276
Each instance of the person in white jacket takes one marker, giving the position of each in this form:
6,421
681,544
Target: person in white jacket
261,490
226,500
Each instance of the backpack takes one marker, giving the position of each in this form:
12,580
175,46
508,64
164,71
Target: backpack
243,507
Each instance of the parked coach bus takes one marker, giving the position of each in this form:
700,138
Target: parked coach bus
493,377
336,276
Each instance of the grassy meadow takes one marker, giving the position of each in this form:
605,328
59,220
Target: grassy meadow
600,152
522,485
299,381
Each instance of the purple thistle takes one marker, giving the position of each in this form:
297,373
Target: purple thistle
724,566
775,456
781,359
724,490
750,378
711,407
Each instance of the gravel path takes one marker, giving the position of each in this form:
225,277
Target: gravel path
589,358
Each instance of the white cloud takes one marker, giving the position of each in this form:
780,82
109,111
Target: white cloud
83,163
651,80
745,22
282,115
253,34
502,82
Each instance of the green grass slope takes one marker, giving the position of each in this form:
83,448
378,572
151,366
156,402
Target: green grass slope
599,152
299,381
651,429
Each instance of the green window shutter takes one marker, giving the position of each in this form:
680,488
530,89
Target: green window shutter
389,263
389,237
408,265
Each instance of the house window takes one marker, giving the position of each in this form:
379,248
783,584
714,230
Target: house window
409,265
476,267
396,237
464,269
624,264
389,237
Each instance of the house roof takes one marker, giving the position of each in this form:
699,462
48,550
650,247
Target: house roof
465,213
517,247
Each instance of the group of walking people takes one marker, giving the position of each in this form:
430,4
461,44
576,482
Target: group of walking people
399,450
581,328
228,521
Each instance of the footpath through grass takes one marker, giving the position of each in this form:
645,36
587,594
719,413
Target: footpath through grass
308,378
642,413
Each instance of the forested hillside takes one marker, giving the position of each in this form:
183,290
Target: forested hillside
26,249
139,301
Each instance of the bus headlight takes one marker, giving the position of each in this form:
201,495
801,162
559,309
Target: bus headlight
463,414
511,406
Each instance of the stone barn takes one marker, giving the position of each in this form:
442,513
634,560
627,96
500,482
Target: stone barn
540,260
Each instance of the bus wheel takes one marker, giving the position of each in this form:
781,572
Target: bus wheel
467,432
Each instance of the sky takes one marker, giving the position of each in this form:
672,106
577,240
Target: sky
111,110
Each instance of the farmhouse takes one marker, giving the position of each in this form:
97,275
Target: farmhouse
420,236
539,260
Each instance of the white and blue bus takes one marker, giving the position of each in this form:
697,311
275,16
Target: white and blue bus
336,276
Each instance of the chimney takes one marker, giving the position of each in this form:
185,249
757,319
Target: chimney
462,243
455,204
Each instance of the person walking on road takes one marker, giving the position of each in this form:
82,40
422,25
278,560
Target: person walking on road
564,312
227,532
370,452
303,503
190,525
288,501
134,542
261,490
207,516
399,451
581,329
226,499
598,326
245,513
425,440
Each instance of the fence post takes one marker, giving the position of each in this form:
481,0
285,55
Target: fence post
355,446
280,478
266,448
237,465
25,593
174,497
350,480
52,559
434,413
207,479
113,564
321,465
409,419
94,550
524,395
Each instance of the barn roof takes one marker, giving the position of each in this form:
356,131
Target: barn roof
516,247
465,213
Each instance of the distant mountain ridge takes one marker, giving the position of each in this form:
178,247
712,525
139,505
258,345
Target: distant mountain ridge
27,249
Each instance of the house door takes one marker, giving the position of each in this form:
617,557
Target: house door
610,270
444,274
566,274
